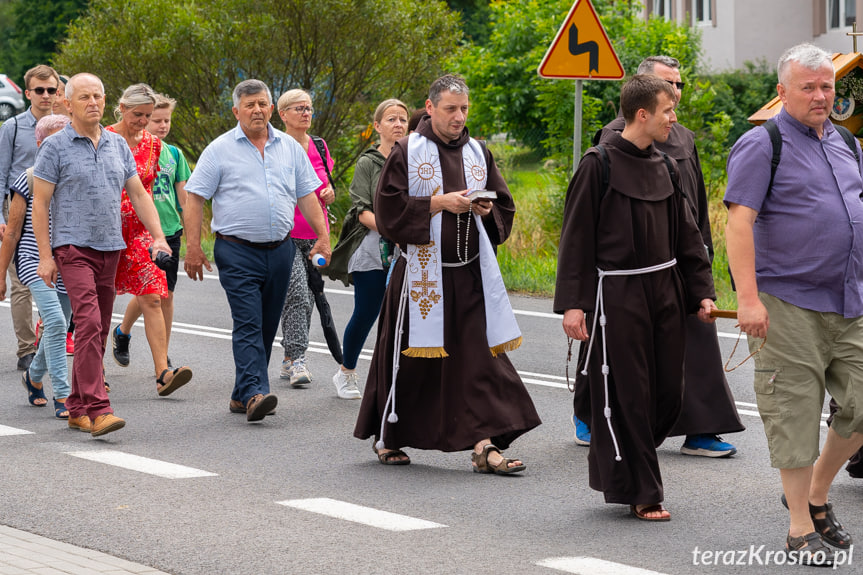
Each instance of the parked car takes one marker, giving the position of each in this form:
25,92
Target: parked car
11,98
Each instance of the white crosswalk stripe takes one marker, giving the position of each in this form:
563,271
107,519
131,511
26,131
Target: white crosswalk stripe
592,566
359,514
142,464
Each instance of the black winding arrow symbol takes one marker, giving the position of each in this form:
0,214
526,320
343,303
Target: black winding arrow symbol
590,46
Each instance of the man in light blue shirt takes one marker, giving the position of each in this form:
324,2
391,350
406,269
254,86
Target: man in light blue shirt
255,176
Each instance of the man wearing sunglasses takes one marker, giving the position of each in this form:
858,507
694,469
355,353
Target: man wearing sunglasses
708,405
17,153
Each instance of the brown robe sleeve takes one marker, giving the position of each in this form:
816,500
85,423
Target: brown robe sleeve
399,217
499,222
692,258
576,261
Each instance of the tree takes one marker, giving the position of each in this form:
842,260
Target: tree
349,54
509,96
31,31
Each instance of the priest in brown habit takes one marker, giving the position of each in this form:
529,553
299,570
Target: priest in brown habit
708,405
440,378
632,258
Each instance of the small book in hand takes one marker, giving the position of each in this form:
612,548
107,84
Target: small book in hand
475,195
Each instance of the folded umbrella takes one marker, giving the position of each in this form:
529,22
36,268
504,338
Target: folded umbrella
316,284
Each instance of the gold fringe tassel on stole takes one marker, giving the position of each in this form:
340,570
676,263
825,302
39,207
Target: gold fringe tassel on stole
511,345
426,352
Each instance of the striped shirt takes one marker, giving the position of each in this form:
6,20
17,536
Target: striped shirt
27,251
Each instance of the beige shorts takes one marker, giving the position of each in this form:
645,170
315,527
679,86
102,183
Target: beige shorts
806,352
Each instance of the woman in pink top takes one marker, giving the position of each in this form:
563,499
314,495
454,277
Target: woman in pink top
295,109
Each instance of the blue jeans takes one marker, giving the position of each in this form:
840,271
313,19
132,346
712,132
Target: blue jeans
369,289
55,309
255,281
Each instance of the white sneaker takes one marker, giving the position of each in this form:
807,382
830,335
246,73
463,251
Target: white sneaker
346,384
286,372
300,374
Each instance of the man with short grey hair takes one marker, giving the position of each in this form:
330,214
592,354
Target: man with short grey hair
708,406
255,175
801,301
80,174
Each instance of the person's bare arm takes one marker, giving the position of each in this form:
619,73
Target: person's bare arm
42,193
367,219
193,217
311,210
740,244
146,212
17,212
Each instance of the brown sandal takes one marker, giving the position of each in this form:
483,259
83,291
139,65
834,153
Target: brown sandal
481,464
642,514
387,457
182,376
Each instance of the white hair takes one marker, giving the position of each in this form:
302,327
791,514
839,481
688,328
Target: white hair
807,55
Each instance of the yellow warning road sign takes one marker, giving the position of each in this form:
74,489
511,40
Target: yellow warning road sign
581,49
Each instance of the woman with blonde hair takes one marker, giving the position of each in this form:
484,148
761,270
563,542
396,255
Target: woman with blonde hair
137,273
295,110
362,256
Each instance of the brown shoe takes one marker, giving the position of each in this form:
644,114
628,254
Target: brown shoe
235,406
260,405
80,423
106,423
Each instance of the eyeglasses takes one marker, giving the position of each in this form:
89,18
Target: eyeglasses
679,85
302,109
40,90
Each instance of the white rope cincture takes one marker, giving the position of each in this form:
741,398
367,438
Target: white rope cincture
599,313
390,404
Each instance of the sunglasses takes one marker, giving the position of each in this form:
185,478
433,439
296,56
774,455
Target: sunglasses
40,90
679,85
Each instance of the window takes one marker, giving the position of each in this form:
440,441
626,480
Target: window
841,13
704,12
663,8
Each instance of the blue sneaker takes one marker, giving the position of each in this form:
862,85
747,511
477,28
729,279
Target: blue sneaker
707,445
582,431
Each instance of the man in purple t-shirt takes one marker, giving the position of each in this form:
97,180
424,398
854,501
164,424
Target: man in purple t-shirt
794,248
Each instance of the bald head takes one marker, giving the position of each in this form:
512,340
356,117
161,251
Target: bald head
85,101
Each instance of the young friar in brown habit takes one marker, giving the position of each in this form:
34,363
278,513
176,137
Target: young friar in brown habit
439,378
641,234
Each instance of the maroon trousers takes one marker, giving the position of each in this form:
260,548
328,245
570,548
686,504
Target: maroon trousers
88,275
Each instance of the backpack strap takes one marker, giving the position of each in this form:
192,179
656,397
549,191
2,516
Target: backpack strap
776,142
322,150
849,140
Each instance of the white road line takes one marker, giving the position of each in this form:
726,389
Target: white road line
359,514
5,430
142,464
592,566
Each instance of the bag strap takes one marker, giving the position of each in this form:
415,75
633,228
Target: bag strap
322,150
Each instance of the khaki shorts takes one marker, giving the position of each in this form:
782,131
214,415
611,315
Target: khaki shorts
806,352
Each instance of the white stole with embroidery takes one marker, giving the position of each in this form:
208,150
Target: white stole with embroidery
423,272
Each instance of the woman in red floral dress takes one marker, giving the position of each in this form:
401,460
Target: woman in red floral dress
137,274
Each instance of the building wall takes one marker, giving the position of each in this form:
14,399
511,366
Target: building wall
763,29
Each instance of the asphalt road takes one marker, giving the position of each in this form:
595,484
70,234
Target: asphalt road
248,513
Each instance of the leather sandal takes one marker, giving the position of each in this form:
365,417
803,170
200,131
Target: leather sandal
389,457
828,527
182,376
34,393
481,464
642,513
810,550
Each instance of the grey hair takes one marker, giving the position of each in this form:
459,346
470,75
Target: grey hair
648,64
70,85
386,105
134,96
450,83
49,124
807,55
250,88
292,97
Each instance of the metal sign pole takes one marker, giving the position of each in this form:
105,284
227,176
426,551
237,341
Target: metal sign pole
576,133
